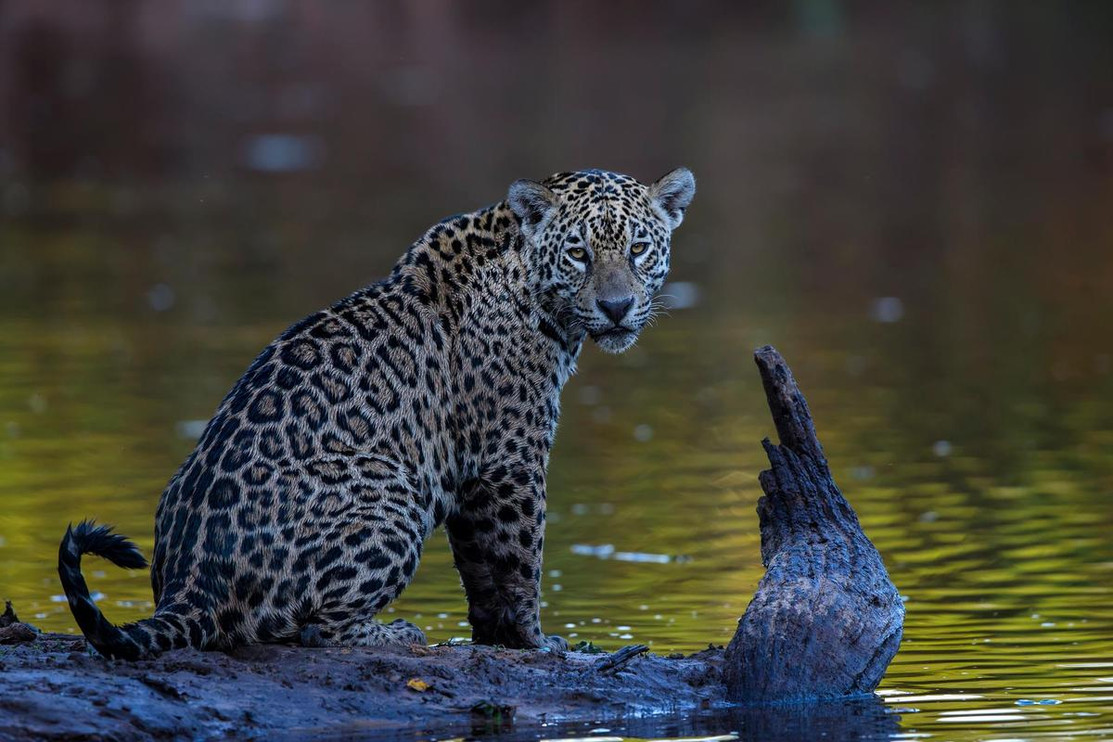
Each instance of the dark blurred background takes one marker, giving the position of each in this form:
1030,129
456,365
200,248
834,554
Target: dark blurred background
912,200
855,137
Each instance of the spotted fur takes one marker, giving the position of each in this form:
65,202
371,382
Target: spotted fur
428,398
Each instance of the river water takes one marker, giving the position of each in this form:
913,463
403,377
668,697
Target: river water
914,207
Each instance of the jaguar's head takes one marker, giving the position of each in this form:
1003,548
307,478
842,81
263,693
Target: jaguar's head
598,244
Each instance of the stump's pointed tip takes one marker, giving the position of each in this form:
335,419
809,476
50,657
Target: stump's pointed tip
774,372
767,355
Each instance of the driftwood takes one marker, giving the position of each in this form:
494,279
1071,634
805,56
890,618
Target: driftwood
12,630
824,623
826,619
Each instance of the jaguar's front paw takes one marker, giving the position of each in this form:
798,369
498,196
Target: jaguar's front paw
555,643
405,633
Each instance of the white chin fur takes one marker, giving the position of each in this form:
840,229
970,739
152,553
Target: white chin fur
616,343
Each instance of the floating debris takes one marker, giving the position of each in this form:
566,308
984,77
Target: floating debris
283,153
887,309
603,551
161,297
190,429
97,597
607,551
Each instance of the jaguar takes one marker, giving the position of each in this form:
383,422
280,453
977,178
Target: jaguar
428,398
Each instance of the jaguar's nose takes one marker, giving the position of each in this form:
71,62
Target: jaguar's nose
615,310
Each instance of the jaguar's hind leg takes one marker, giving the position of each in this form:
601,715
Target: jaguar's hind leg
360,541
365,633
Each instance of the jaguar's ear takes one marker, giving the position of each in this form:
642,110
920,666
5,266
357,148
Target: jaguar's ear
531,201
673,192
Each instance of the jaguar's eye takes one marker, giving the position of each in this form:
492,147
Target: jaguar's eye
577,253
638,248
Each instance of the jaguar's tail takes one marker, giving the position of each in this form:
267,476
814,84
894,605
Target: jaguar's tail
129,641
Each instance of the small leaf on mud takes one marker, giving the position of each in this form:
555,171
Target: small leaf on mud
417,684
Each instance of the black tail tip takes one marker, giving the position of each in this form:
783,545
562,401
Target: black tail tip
87,536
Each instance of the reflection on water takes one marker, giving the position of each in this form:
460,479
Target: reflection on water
866,718
913,206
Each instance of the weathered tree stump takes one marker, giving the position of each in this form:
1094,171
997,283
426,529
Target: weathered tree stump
826,619
824,623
